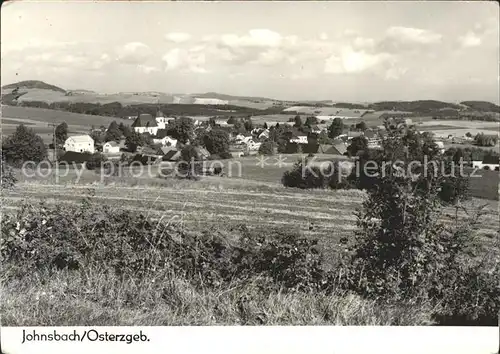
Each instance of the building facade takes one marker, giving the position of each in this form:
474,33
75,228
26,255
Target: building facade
79,143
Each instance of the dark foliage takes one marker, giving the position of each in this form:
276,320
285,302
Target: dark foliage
8,178
23,145
61,133
216,141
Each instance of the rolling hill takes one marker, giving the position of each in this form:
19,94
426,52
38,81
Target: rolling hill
33,84
38,91
482,106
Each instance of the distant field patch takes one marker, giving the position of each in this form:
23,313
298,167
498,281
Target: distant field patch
4,121
461,123
54,116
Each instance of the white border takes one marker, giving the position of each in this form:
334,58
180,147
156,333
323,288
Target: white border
262,340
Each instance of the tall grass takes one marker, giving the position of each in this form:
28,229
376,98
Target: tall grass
100,298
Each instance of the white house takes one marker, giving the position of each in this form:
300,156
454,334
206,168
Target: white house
145,123
166,141
440,145
111,147
301,139
162,121
242,139
79,143
253,146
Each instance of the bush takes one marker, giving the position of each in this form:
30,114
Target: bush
8,177
214,157
95,160
482,139
304,178
402,250
267,148
51,237
216,141
22,146
301,176
225,155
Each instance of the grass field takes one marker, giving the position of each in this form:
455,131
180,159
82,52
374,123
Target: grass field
255,199
94,296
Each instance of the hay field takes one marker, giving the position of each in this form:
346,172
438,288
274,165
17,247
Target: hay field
39,118
325,214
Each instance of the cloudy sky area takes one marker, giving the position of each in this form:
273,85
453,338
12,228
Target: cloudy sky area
310,50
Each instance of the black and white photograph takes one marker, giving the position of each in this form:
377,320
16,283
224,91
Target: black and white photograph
249,164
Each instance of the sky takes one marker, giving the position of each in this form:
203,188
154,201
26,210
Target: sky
340,51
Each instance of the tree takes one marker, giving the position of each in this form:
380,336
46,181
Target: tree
358,143
182,130
336,128
238,126
361,126
125,129
23,145
133,141
113,133
311,121
298,122
216,141
97,136
147,138
187,167
95,160
61,133
323,138
265,125
401,249
455,187
267,148
482,139
468,134
249,124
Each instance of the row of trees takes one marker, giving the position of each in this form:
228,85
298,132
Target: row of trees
116,109
482,139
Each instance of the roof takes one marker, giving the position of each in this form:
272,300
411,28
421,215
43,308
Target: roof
491,160
341,149
144,120
80,138
337,149
112,143
202,151
354,134
172,155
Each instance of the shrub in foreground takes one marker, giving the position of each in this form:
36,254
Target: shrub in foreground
47,238
7,174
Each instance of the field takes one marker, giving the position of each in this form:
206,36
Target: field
459,128
38,120
129,98
95,296
254,198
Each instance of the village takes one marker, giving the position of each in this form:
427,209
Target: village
327,133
